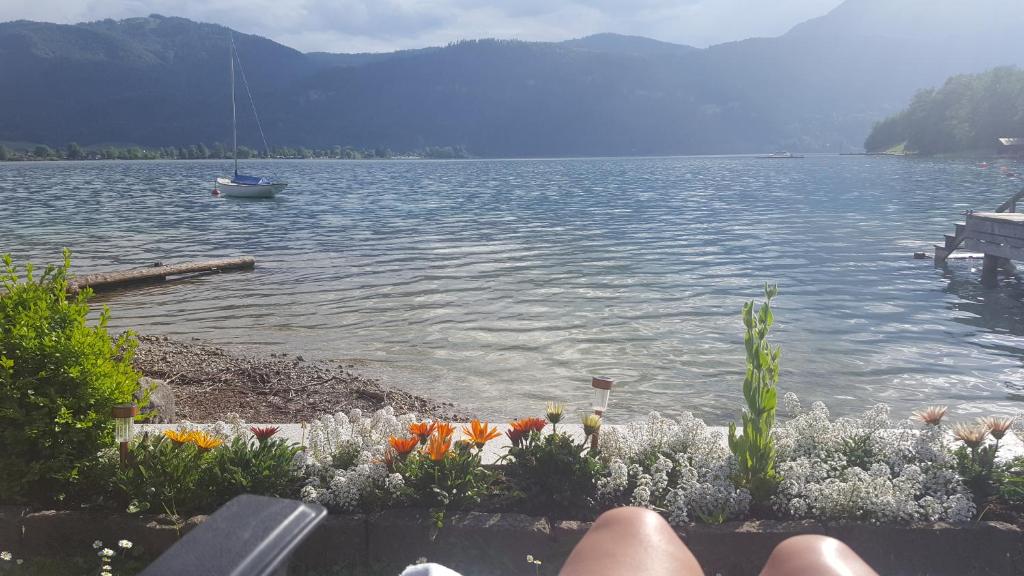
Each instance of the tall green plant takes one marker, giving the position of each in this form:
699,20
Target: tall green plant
755,448
59,379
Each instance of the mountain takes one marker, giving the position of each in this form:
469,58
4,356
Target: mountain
621,44
970,112
159,81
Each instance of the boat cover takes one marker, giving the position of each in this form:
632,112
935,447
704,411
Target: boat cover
251,180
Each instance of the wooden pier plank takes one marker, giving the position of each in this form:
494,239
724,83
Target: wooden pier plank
158,273
994,249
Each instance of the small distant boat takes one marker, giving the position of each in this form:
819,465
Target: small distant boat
781,156
240,185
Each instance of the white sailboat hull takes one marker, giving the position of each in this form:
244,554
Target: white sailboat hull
236,190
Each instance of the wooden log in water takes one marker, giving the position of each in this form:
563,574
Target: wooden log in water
157,273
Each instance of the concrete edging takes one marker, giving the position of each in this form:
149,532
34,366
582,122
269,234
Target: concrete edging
483,544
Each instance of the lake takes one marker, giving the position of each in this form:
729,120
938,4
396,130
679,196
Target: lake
501,284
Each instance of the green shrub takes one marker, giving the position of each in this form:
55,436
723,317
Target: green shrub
755,448
165,475
59,379
443,476
251,466
977,469
1011,481
193,471
554,475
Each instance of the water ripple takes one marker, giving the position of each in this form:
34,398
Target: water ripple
502,284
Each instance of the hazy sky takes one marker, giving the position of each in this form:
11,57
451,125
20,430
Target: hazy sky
379,25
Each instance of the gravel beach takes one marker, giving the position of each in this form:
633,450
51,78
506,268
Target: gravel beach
209,382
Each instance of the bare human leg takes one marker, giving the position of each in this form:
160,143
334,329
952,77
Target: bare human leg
814,555
631,541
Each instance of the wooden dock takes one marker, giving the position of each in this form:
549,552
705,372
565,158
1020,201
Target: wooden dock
158,273
997,236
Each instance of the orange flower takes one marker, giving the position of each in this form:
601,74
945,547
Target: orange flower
422,430
204,441
438,447
445,430
480,433
403,445
178,437
522,428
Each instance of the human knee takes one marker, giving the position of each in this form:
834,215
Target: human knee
815,554
804,543
631,518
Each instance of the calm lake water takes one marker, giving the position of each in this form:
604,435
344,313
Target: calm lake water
501,284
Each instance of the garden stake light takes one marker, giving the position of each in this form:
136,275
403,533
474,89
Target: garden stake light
602,386
602,389
124,427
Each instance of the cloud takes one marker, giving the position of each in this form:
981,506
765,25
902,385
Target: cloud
379,25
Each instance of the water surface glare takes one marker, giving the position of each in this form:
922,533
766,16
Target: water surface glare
501,284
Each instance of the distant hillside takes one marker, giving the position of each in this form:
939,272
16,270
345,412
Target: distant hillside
968,113
161,81
636,45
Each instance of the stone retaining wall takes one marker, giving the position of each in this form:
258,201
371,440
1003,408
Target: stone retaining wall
482,544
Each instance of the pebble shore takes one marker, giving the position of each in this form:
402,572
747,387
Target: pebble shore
209,382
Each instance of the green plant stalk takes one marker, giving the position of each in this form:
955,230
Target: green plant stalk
754,449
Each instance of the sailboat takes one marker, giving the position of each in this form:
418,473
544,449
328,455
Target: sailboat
240,185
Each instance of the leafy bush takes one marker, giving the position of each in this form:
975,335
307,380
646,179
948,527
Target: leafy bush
257,465
195,470
445,475
976,457
1011,481
553,474
165,474
59,379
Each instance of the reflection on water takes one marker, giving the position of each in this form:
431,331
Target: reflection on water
502,284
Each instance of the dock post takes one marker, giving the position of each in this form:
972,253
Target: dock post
990,271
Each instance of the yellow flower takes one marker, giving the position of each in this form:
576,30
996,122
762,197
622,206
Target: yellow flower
480,433
555,411
179,437
591,424
204,441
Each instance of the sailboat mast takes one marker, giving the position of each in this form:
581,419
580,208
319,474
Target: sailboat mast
234,121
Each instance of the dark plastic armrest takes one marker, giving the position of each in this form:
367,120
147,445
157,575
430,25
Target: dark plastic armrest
248,536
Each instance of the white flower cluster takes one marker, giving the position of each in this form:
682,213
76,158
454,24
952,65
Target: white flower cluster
233,425
683,467
366,439
869,468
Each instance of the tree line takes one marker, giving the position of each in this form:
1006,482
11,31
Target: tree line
73,151
970,112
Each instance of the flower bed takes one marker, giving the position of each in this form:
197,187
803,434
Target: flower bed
497,544
56,450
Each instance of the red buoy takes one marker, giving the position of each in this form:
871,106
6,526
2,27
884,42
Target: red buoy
216,192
